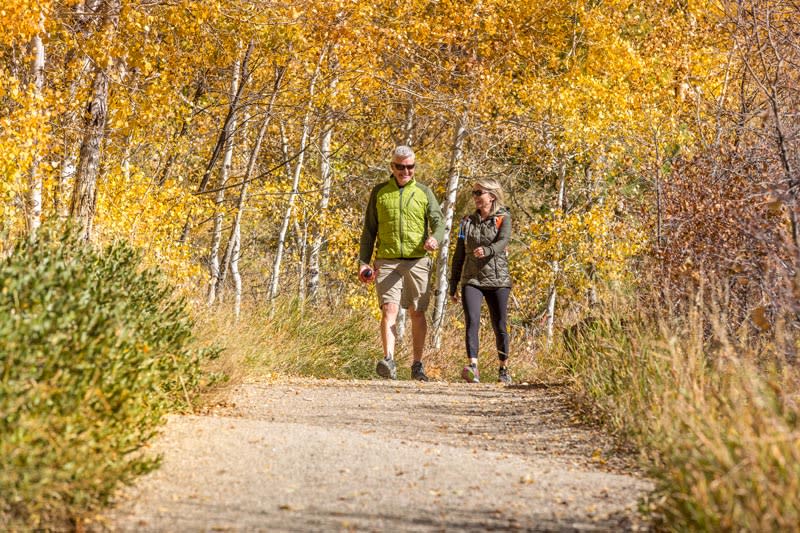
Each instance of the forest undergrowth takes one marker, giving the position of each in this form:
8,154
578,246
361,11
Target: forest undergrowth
713,412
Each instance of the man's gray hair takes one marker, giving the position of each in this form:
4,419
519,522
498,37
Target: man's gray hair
403,152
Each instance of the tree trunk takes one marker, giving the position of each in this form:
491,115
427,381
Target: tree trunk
591,274
301,238
84,193
216,232
456,153
33,200
276,267
318,239
237,279
231,250
221,140
226,130
326,179
551,302
69,161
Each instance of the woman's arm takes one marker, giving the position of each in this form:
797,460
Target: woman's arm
503,237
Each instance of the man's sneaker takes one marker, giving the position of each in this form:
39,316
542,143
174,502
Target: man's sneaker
503,376
417,372
386,369
470,374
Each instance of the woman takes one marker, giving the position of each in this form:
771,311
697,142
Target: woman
481,265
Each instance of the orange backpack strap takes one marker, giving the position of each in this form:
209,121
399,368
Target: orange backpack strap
498,220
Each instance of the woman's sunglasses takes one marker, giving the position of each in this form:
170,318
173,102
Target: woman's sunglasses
477,193
403,167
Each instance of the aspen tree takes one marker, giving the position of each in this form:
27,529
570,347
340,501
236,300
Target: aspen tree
233,248
84,193
34,197
456,154
216,231
326,181
294,175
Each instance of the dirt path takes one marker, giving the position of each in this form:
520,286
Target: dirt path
308,455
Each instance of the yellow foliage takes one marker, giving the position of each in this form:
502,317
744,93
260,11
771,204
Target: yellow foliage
132,207
575,250
565,80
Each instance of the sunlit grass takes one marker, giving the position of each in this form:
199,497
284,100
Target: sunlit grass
715,417
309,341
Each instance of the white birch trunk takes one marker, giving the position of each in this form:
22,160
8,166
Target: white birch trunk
551,302
216,231
326,180
276,267
221,140
301,237
456,154
68,165
318,239
231,250
237,278
33,198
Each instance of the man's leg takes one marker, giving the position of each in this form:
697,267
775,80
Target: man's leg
388,320
419,329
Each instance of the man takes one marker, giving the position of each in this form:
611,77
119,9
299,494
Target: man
402,223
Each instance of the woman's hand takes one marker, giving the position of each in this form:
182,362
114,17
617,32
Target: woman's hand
479,252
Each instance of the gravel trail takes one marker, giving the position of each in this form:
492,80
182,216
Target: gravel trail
328,455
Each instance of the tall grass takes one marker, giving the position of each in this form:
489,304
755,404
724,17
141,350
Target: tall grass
296,340
292,340
716,417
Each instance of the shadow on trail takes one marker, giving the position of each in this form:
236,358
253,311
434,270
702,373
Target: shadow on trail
233,517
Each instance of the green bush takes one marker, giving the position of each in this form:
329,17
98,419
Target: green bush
95,350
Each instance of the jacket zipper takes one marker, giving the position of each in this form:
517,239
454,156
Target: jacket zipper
410,196
400,201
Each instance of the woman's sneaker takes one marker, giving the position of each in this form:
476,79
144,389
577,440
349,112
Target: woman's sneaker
503,376
470,374
386,369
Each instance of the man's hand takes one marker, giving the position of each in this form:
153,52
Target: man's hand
431,244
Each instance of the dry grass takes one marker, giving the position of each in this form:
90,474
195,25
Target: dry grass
715,417
345,344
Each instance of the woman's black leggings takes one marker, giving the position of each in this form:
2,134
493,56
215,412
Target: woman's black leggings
497,300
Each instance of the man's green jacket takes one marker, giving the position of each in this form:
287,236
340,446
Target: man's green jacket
397,221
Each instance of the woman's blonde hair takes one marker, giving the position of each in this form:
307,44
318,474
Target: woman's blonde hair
494,188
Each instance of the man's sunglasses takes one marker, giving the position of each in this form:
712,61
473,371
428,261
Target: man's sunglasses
403,167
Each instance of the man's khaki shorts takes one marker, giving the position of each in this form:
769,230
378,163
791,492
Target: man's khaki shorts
404,281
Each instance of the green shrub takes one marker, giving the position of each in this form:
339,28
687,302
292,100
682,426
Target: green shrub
94,351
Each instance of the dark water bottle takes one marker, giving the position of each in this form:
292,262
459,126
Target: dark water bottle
367,274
